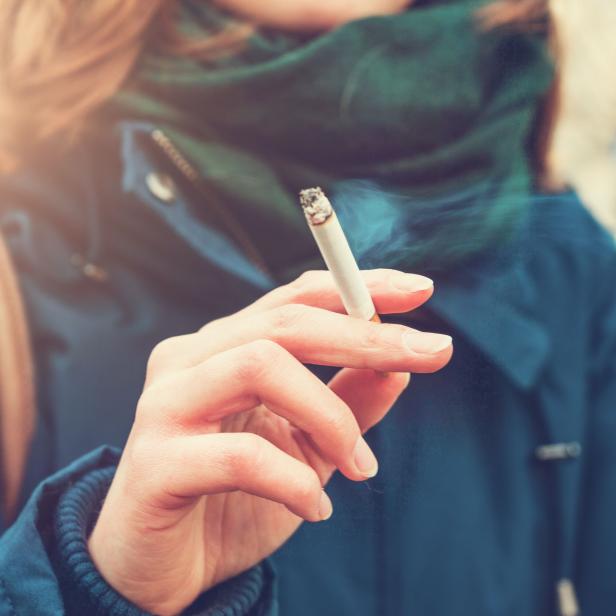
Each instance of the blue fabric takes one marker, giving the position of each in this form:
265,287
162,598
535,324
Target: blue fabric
86,592
462,520
28,577
58,576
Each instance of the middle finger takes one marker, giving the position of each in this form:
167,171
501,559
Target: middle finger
317,336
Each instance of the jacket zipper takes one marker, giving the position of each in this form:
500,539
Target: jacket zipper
228,220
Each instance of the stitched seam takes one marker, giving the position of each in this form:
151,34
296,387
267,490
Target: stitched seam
5,593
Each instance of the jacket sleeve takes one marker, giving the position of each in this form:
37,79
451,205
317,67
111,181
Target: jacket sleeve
45,567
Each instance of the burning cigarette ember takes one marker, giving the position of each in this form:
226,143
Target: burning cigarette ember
337,254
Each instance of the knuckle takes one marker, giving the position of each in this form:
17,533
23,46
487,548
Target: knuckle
286,318
212,326
342,425
394,336
382,338
307,488
153,404
146,404
300,290
307,280
259,355
248,457
165,406
371,338
143,455
163,354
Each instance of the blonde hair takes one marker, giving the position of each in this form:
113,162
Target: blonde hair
62,59
526,14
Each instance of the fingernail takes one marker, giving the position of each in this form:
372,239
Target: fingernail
426,343
325,507
411,283
365,461
407,381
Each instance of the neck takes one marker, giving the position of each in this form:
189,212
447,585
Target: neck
310,15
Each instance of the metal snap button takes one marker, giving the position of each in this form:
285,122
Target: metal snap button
558,451
161,186
89,270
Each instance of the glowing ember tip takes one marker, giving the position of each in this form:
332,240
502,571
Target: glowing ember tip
316,205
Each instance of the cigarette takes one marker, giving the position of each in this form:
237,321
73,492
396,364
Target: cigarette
337,254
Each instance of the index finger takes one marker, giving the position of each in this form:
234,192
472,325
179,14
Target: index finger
393,292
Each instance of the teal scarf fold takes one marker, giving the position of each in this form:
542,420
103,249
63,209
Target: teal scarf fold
421,104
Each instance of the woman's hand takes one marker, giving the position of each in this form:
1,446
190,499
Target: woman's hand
310,15
234,438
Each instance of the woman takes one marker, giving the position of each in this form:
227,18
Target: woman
152,193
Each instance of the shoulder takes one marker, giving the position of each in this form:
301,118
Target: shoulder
570,271
29,575
568,251
563,225
562,278
50,202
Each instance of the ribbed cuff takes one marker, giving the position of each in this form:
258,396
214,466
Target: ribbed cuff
86,592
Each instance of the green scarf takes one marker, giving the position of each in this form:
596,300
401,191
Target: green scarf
421,104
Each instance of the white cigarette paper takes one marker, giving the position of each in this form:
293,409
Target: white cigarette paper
336,252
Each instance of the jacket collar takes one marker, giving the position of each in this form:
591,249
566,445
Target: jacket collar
489,301
177,213
491,304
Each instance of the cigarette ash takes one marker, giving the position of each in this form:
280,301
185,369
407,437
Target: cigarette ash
316,205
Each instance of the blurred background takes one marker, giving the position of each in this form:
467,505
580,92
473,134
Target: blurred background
583,147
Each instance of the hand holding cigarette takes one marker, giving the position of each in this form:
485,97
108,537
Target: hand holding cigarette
234,438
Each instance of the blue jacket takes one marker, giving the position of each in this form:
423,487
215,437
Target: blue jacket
498,474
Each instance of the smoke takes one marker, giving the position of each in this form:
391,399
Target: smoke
389,229
374,222
479,226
